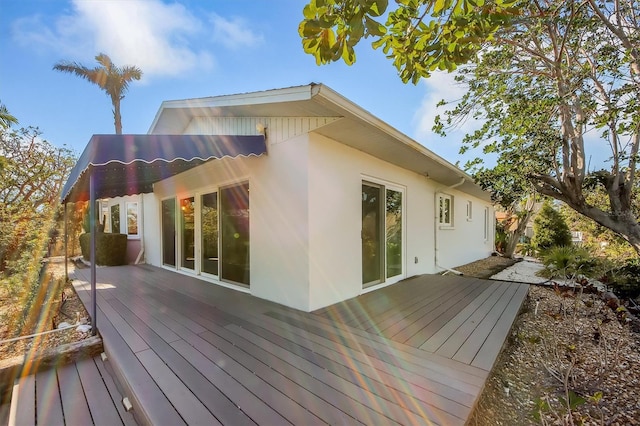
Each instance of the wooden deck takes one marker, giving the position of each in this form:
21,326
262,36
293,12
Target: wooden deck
80,393
191,352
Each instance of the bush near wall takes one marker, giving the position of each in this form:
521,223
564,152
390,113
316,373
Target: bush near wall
111,249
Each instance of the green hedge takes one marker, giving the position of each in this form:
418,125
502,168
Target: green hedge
111,249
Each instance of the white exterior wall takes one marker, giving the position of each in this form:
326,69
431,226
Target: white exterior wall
336,173
306,219
278,212
465,241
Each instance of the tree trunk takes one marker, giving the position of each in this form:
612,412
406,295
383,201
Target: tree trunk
117,118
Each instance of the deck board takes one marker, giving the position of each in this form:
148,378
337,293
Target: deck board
23,402
221,356
72,394
74,402
49,404
477,312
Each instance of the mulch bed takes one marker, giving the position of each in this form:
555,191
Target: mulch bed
570,359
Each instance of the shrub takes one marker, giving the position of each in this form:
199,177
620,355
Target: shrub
550,229
567,262
111,249
625,280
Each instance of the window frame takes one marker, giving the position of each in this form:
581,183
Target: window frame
127,205
442,197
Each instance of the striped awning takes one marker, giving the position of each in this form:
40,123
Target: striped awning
131,164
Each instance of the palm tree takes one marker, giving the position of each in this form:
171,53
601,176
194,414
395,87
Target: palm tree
6,119
110,78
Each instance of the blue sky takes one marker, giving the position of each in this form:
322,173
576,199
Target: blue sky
186,49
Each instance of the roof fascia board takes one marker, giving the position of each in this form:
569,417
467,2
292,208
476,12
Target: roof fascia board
327,96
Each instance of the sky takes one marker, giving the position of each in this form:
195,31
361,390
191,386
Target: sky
188,49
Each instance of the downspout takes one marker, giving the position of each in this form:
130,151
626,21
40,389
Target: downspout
141,227
436,226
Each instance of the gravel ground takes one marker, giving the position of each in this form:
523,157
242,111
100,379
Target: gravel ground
564,346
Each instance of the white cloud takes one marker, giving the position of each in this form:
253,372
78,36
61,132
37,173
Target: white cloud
442,85
233,33
162,39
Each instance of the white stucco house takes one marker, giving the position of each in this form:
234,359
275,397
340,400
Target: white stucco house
301,197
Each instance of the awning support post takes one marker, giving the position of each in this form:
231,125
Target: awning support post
92,229
66,256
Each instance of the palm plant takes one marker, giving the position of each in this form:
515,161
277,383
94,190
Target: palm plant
6,119
112,79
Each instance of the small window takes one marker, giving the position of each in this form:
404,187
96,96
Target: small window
132,219
486,223
469,210
446,210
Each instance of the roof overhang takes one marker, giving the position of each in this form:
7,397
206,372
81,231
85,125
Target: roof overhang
131,164
356,127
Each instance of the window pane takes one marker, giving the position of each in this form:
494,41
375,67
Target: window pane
234,215
132,218
187,222
115,218
394,233
169,232
371,234
209,219
447,211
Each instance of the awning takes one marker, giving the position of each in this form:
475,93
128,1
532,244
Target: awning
131,164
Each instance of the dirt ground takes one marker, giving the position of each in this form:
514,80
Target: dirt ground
569,360
68,309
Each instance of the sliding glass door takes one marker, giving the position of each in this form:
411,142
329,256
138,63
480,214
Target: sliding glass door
372,256
209,233
234,212
382,233
168,232
187,233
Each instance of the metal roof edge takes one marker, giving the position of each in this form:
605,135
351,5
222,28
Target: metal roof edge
294,93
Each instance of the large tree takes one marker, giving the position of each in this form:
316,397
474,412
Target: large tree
541,75
31,177
112,79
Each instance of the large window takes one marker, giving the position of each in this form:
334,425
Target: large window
382,233
445,210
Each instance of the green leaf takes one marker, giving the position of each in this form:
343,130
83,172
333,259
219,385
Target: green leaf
378,7
438,6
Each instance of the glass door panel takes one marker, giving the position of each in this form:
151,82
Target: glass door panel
393,225
187,233
209,221
234,215
372,255
168,230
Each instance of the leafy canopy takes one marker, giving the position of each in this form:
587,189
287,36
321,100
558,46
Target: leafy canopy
420,36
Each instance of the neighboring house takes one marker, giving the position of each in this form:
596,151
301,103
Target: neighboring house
310,199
